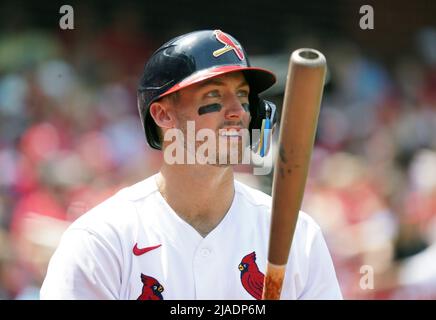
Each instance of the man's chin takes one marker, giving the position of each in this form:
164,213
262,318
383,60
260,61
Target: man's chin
226,160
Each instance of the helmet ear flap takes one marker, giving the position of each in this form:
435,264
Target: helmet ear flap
263,120
255,112
150,127
151,131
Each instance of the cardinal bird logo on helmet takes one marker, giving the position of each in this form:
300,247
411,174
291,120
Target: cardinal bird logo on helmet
151,289
251,277
228,43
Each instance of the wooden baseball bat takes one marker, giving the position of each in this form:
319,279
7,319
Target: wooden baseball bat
301,105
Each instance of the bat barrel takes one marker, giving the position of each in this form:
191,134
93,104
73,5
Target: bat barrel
299,118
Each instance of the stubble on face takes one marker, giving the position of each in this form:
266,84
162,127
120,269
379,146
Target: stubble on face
224,150
228,147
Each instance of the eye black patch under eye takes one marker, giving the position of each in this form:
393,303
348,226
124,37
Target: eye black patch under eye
246,107
214,107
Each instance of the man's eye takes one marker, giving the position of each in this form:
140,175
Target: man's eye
213,94
242,93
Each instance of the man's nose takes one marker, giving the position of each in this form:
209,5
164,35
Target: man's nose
234,109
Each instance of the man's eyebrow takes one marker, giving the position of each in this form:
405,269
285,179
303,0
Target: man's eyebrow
243,84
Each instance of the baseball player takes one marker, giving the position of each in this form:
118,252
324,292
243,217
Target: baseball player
191,231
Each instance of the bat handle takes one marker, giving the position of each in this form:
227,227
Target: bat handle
273,281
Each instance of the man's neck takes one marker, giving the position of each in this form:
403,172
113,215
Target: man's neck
201,195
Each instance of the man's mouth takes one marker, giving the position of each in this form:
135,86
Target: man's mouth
230,132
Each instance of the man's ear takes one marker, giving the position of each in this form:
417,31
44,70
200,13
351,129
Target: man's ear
162,114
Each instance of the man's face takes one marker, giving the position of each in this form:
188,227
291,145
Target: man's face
221,105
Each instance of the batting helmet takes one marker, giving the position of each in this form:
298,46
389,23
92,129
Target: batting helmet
194,57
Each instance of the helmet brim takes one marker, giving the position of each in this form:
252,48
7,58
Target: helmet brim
259,79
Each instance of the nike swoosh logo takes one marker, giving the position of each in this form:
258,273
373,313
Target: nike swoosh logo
140,251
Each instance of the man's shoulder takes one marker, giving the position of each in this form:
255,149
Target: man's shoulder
117,210
307,224
139,190
252,195
258,198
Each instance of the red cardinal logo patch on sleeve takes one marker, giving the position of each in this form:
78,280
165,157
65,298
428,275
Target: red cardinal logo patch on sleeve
251,277
228,43
151,289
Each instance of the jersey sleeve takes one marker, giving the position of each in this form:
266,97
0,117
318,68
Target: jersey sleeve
322,283
84,267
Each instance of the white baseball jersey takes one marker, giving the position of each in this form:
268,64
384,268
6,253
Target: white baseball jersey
134,246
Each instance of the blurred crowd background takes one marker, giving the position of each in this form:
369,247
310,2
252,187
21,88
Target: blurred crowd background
70,135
